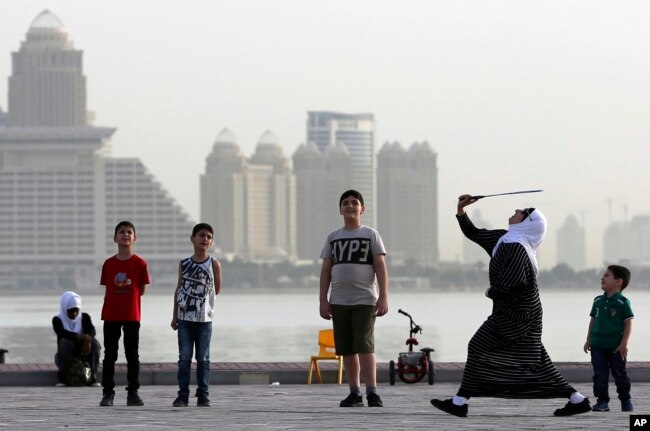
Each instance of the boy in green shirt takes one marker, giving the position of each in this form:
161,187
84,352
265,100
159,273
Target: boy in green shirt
609,332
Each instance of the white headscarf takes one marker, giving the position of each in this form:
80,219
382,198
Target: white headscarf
530,233
70,300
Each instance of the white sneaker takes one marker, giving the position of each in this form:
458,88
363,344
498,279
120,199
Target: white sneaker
60,385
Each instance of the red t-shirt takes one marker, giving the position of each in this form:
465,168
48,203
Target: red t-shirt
124,281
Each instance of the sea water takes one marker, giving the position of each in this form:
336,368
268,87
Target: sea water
269,326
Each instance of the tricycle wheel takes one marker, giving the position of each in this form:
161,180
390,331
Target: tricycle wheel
391,372
430,372
412,375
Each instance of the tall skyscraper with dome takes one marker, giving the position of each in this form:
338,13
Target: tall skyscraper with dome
61,192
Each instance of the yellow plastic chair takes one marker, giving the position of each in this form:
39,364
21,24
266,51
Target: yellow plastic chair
326,352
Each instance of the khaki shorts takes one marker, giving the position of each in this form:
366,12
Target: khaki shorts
354,328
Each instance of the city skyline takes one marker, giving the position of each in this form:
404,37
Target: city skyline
509,95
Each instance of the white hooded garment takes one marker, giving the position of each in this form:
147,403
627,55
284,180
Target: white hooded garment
70,300
529,233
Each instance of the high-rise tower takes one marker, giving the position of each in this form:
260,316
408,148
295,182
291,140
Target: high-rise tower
321,177
47,87
628,242
407,202
571,245
61,194
250,202
357,133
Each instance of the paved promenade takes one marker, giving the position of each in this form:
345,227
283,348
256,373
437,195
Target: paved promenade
244,398
293,407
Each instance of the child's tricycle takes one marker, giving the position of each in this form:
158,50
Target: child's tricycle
412,366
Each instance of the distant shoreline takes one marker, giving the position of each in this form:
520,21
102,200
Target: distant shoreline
154,291
266,290
225,290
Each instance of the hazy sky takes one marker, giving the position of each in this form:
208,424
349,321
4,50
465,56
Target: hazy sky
511,94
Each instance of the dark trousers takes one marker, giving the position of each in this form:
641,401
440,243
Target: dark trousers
112,334
604,361
67,348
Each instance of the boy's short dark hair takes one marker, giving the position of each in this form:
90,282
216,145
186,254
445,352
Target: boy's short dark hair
355,194
201,226
621,273
124,223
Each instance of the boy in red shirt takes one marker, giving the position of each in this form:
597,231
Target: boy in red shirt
125,276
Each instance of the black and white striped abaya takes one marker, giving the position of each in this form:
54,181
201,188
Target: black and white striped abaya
506,357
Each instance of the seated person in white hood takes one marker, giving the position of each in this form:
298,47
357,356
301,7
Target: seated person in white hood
75,336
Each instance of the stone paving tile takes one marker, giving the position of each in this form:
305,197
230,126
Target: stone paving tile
293,407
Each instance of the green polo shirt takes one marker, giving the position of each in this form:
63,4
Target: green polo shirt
609,316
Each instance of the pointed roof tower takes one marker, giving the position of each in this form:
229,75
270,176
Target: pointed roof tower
47,87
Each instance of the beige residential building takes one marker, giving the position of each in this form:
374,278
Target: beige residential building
628,242
321,177
250,202
407,203
571,244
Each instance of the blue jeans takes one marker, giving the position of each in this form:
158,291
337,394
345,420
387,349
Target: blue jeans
604,360
192,334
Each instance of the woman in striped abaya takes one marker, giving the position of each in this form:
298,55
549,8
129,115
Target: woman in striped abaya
506,357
